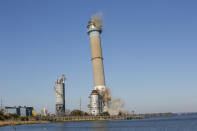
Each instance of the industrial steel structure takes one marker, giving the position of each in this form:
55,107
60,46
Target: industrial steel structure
96,97
21,111
60,96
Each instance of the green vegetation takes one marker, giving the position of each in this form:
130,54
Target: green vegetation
8,116
15,117
78,113
24,118
37,118
104,114
1,116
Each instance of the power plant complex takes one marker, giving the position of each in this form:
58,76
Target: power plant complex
98,97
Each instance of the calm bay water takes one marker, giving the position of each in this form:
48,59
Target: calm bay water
176,123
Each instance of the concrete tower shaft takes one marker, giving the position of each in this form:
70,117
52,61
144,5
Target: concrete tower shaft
97,59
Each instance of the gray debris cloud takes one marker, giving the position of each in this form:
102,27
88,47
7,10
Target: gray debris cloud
114,105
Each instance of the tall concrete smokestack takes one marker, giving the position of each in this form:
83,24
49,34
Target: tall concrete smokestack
94,31
97,58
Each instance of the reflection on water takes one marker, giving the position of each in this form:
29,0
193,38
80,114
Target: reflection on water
100,125
176,123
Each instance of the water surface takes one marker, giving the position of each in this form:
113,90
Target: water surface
176,123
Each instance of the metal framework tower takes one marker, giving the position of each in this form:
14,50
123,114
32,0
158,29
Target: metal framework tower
60,96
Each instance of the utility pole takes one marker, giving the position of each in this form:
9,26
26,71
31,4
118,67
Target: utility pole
133,112
80,104
1,104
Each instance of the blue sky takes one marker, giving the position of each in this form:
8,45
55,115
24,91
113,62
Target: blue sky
149,50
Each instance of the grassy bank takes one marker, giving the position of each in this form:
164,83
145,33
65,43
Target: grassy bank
14,119
12,122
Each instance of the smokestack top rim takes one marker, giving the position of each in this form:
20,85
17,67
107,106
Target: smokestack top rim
94,29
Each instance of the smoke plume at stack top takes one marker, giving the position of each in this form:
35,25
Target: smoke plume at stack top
97,20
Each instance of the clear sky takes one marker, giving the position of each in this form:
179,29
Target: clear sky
149,50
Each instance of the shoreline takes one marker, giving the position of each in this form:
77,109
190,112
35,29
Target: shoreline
56,120
45,120
13,123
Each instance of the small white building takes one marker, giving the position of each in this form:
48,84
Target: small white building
95,103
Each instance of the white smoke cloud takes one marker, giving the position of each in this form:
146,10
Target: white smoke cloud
97,19
112,105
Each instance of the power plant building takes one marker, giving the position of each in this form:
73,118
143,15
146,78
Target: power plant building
21,111
60,96
96,103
